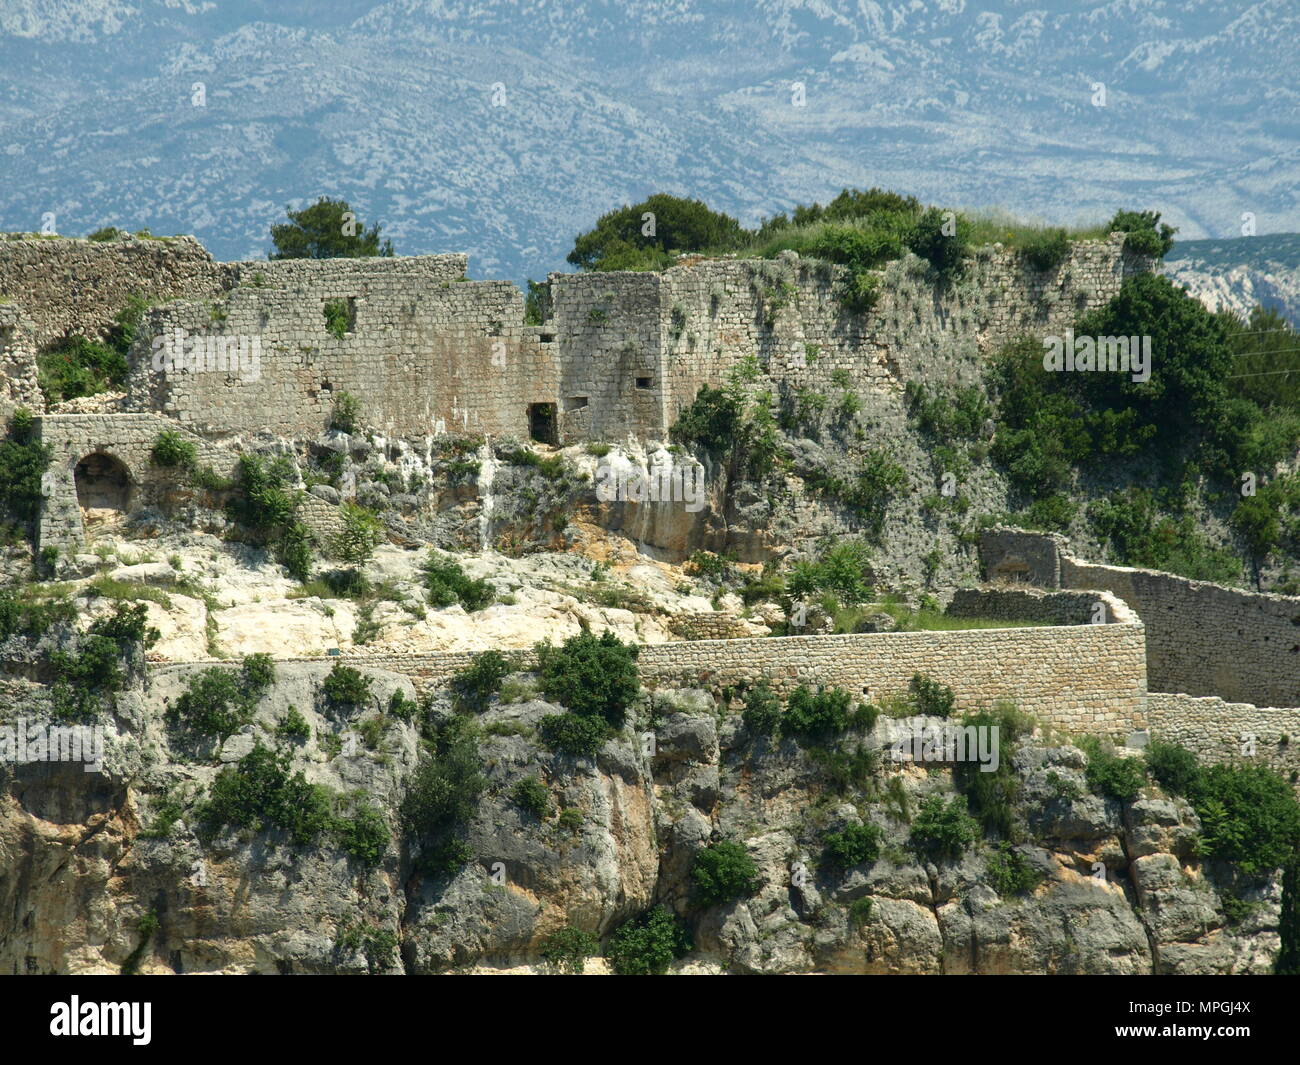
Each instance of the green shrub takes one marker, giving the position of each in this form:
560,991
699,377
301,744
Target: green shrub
1249,816
379,945
619,240
574,734
844,570
481,679
94,670
447,583
75,366
570,819
929,697
1112,776
1011,873
711,423
1174,768
1046,250
860,911
931,239
852,845
647,945
945,413
266,504
869,491
860,292
172,450
944,828
593,676
993,797
23,462
724,872
363,835
259,793
339,320
567,950
361,531
1137,535
812,716
214,704
532,796
346,687
762,713
1147,235
294,726
219,702
442,797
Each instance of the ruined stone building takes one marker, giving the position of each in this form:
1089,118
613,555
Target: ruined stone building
229,349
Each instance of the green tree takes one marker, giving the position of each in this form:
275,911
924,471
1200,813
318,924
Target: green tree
328,229
625,239
1147,235
362,530
594,676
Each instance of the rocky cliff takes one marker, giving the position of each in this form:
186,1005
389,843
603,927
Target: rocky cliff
121,868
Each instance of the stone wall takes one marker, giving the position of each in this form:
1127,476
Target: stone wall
714,625
18,378
1202,638
425,351
637,347
619,353
126,438
1044,607
1083,678
1220,731
68,286
129,439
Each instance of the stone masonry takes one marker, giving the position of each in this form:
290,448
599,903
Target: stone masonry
1082,678
68,286
430,352
1202,638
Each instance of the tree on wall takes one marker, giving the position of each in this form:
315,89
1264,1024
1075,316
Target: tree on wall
640,237
328,229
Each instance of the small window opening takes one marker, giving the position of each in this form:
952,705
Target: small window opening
340,316
643,382
575,403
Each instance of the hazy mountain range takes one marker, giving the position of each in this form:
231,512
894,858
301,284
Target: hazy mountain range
503,127
1240,273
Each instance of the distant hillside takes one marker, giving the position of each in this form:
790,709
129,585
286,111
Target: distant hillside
1240,272
503,128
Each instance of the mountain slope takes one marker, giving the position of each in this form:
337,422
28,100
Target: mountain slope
392,105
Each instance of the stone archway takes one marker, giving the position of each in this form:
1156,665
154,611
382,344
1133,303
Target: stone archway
105,490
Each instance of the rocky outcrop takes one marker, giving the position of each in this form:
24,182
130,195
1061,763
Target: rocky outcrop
101,870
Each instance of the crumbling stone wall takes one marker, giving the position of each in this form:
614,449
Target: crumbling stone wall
18,377
637,347
129,440
126,438
71,286
425,352
618,354
1202,638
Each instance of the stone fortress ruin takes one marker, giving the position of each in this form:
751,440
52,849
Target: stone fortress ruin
231,350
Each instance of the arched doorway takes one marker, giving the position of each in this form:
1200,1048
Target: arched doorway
104,490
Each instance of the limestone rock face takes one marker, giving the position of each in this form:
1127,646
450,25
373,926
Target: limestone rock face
105,870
